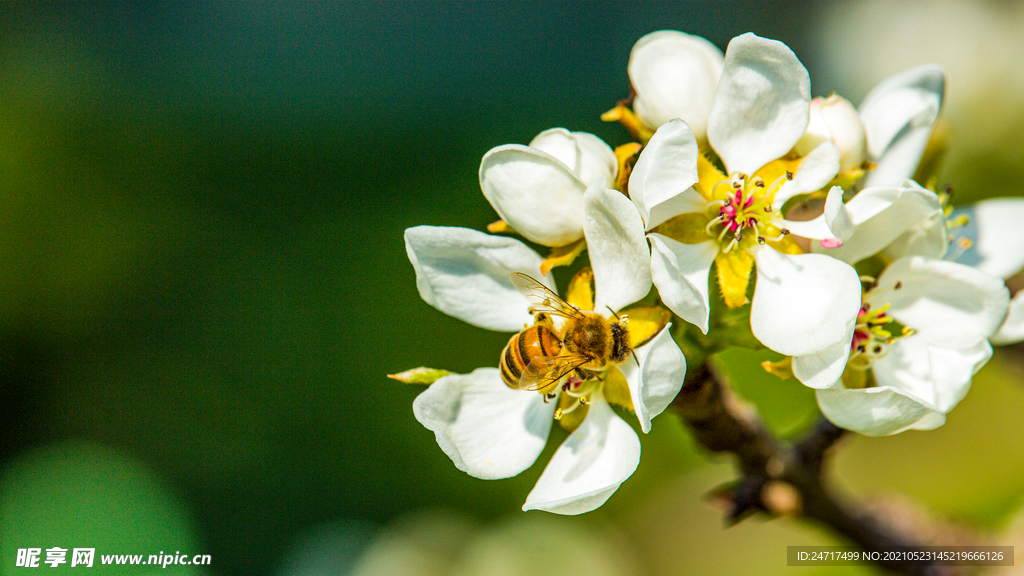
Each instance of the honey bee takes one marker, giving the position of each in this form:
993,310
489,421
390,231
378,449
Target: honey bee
537,358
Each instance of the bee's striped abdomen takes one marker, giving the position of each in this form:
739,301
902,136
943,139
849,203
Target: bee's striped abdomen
531,343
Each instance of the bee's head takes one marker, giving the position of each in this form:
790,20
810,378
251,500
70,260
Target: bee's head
620,341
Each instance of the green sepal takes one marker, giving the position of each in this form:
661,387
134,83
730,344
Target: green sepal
616,389
688,228
934,153
783,369
563,255
421,375
733,271
854,379
726,327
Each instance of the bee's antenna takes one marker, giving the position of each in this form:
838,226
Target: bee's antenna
613,313
635,358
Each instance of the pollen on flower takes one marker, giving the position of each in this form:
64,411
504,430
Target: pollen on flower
871,339
875,331
744,209
580,392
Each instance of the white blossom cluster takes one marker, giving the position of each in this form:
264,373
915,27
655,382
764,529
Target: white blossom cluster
885,302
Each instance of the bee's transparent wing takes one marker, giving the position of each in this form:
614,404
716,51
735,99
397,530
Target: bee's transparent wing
542,299
544,371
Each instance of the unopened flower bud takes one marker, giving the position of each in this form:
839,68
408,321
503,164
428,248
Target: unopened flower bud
835,119
675,75
585,154
538,189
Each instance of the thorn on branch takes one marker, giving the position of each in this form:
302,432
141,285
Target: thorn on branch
739,499
746,499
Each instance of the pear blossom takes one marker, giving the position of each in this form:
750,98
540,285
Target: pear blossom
923,326
674,75
538,189
893,221
804,304
911,220
490,430
920,337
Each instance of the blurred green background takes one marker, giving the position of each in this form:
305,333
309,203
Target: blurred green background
204,282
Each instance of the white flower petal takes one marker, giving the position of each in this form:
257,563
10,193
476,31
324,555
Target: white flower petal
936,376
674,76
909,99
881,215
617,248
838,218
657,382
803,304
816,170
666,168
930,239
488,429
997,226
559,143
834,223
589,466
465,274
598,164
537,194
585,154
898,116
948,304
900,160
1012,330
917,385
875,411
680,271
689,201
930,421
762,106
907,367
823,369
952,371
871,202
816,228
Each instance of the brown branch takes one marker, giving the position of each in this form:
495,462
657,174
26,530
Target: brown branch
772,469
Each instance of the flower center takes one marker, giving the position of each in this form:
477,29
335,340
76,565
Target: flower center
581,390
745,211
873,335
